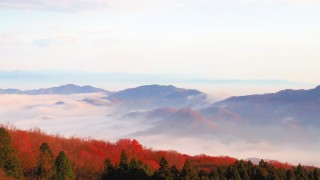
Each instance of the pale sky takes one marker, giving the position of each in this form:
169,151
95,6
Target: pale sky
226,39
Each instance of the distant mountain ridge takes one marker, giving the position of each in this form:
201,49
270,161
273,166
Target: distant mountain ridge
157,96
64,89
283,107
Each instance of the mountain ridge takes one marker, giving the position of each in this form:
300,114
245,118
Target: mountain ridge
299,105
63,89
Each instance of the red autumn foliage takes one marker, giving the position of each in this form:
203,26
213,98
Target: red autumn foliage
88,155
278,165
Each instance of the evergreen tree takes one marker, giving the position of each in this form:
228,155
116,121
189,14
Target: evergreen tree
188,171
63,167
273,174
123,171
9,161
174,172
290,174
233,173
124,162
204,174
164,171
222,172
301,173
282,173
136,170
109,170
250,169
242,169
46,166
214,175
316,174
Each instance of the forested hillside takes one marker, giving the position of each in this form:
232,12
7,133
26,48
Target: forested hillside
35,155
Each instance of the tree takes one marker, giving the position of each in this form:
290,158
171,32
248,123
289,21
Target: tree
188,171
242,169
214,174
136,170
300,172
175,172
233,173
63,167
9,161
290,175
124,162
123,171
164,171
109,170
46,166
316,174
273,174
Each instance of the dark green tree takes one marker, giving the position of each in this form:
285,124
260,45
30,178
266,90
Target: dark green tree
273,174
122,171
63,166
175,172
124,162
188,171
204,174
46,165
164,171
250,169
316,174
137,170
290,174
9,161
233,173
109,170
242,169
222,172
214,175
301,173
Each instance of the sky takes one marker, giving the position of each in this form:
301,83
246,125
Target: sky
217,39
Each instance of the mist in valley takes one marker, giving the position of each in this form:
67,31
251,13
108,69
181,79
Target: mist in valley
182,129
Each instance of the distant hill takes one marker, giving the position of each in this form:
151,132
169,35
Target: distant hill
284,107
64,89
184,121
156,96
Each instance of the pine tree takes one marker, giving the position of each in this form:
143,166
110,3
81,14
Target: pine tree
188,171
233,173
109,170
136,170
301,172
214,175
164,171
290,175
124,162
123,171
316,174
273,174
46,166
174,172
63,167
9,161
242,169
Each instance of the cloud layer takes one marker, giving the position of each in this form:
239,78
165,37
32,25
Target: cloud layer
70,116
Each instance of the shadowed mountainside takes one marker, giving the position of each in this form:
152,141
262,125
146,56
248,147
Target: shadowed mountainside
284,107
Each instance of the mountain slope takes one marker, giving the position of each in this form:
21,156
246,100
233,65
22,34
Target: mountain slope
283,107
185,122
157,96
64,89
